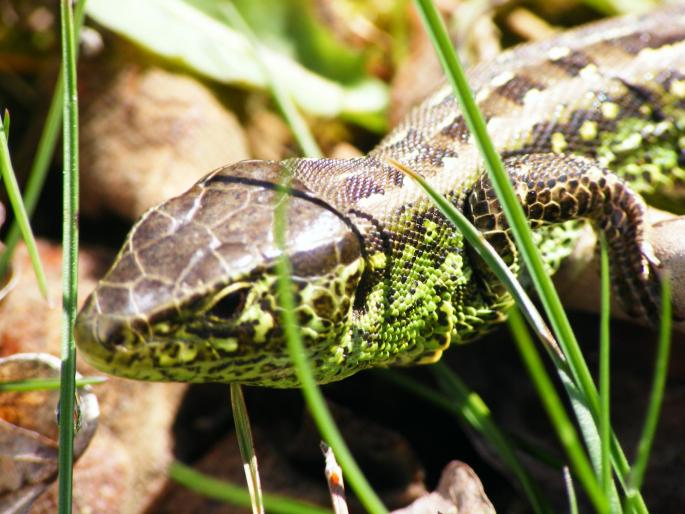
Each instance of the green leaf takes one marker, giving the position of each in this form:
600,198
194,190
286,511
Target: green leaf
283,101
180,31
292,27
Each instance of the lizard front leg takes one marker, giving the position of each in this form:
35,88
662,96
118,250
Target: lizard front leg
555,188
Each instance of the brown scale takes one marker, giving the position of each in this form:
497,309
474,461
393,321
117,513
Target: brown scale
553,189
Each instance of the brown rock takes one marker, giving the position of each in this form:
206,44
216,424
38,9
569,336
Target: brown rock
136,417
148,133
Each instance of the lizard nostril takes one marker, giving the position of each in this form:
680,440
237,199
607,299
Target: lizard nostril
116,340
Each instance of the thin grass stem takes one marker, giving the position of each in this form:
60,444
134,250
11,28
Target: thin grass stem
44,384
310,390
246,446
604,369
644,446
474,410
334,478
564,428
237,495
20,215
510,205
44,153
570,491
284,102
579,384
70,259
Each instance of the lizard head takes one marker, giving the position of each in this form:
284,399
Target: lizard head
192,295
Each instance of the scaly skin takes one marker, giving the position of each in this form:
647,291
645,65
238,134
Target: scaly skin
583,122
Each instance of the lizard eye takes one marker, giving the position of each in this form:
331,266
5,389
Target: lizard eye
229,306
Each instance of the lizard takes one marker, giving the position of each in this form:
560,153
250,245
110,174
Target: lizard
587,124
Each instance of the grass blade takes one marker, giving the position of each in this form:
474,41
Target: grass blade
510,205
246,446
237,495
581,387
44,384
621,6
644,447
604,364
292,116
557,415
6,124
504,274
467,406
487,253
44,153
20,215
474,410
310,390
442,401
70,258
570,491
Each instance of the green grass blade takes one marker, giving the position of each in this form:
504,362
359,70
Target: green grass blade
310,390
297,124
20,215
584,394
557,415
510,205
644,447
487,253
583,414
470,408
621,6
44,384
474,410
237,495
44,153
448,404
39,169
246,446
70,258
6,124
474,237
604,367
570,491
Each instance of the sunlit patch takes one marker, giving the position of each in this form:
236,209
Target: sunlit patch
589,72
502,79
559,143
588,130
628,144
558,52
646,110
531,96
677,88
483,94
610,110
